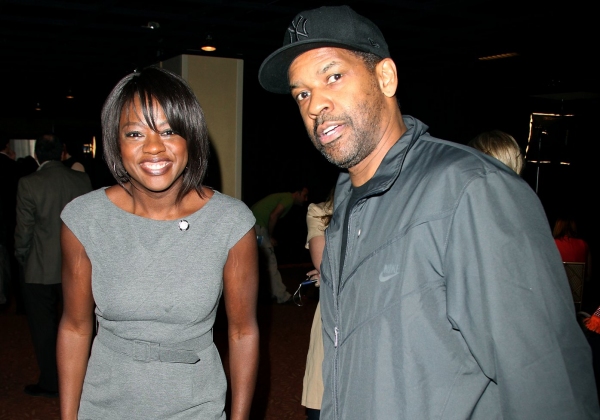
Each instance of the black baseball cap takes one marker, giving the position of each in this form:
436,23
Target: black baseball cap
327,26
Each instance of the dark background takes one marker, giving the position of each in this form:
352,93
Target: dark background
49,48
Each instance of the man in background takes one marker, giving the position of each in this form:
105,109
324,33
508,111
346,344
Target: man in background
442,292
9,272
267,212
41,196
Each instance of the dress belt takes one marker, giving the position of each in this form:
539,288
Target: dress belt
146,351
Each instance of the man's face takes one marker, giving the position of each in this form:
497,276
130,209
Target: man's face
340,103
301,197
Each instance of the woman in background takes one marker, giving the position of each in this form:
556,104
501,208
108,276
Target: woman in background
571,246
317,220
153,254
501,146
70,161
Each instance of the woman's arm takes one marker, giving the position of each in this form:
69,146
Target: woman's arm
76,325
240,289
316,245
316,235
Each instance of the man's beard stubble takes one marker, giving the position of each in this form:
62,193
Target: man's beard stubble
360,142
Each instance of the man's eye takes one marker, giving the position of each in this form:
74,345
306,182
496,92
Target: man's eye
334,78
301,96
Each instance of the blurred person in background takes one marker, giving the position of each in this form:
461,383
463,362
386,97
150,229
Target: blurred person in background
501,146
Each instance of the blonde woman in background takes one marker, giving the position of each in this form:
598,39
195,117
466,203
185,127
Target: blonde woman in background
501,146
317,220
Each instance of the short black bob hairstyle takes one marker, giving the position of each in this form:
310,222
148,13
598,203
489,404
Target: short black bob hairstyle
181,108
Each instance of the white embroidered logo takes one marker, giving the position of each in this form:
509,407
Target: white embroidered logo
296,31
389,271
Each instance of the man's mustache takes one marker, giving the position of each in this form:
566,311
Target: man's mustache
328,117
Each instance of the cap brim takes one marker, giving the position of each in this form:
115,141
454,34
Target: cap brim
273,72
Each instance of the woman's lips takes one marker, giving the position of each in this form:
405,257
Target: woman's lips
156,167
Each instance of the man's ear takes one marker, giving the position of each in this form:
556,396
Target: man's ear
387,76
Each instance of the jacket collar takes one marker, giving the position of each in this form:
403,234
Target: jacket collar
390,166
49,164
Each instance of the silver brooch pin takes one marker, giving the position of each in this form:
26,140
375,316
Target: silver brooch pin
184,225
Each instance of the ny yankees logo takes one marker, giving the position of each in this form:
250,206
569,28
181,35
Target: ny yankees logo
373,43
298,29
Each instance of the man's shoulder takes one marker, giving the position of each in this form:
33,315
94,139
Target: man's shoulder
6,160
82,176
62,170
53,172
273,198
449,156
30,178
8,168
280,196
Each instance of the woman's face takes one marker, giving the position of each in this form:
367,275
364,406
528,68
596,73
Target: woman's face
155,161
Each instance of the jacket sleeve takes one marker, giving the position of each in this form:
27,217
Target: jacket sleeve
508,295
25,222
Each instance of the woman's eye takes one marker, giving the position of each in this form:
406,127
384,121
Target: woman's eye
133,134
334,78
169,132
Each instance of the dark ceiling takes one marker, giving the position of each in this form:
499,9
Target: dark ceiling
50,46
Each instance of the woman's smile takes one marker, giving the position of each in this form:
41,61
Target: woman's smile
156,167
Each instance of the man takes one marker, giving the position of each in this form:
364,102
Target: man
267,212
41,196
9,272
442,293
5,274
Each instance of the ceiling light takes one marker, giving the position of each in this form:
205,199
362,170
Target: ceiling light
208,45
152,25
498,56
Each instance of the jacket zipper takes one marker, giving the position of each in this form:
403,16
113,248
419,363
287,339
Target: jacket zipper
336,329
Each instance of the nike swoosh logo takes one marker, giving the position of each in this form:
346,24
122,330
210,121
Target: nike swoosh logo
384,278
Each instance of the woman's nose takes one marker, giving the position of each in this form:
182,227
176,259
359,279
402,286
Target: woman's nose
154,144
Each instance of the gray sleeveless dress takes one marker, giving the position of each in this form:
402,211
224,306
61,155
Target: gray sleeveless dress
156,285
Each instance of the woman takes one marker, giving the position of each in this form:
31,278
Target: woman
153,255
571,246
317,220
69,160
501,146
